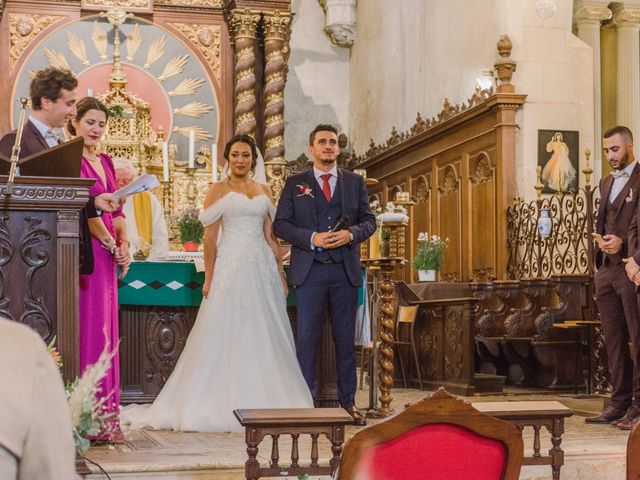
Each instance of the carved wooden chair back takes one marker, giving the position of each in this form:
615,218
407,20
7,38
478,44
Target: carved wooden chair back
438,437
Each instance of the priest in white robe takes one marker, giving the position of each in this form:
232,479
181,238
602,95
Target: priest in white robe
144,216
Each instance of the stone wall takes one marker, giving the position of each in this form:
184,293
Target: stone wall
409,56
317,88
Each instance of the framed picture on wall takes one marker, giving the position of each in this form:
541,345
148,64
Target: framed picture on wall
558,155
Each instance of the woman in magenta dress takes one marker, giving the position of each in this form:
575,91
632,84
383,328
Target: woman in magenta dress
99,290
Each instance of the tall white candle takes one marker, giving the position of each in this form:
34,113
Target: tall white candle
165,161
192,148
214,162
89,92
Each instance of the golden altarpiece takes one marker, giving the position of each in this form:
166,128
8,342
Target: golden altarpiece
171,68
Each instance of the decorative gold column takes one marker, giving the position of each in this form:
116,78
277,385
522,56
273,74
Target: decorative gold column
276,49
589,16
243,25
627,21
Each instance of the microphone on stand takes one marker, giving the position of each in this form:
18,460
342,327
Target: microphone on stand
342,223
15,150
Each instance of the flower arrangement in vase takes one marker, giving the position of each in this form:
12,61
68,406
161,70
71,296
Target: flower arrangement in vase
191,229
429,256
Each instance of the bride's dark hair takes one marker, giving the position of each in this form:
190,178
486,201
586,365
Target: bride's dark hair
243,139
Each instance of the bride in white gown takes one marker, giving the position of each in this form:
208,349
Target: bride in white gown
240,352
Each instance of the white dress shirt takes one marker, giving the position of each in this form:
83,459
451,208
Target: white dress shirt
332,181
52,140
620,182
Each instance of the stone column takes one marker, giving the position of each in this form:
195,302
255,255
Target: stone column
242,27
276,51
627,20
588,16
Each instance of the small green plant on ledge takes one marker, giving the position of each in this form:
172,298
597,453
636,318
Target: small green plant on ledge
191,229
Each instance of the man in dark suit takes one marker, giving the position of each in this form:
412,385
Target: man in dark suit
615,293
325,260
53,103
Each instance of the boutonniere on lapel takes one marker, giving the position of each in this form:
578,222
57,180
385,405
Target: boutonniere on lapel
304,189
630,196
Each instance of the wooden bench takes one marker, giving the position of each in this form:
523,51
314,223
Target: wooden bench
536,414
274,422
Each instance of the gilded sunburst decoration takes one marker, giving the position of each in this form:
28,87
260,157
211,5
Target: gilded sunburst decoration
160,66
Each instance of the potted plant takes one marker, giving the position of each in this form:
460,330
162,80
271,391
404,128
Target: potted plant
191,229
429,256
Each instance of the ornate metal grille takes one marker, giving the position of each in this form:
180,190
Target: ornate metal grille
569,249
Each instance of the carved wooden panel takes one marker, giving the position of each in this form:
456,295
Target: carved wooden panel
453,333
450,221
445,343
28,269
483,216
39,259
460,170
152,339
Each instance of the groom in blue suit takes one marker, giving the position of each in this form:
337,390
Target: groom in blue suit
324,214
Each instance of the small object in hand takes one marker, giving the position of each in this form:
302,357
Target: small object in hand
598,238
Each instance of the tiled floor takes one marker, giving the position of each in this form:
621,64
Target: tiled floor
591,452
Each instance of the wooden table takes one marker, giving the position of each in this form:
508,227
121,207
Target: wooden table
536,414
274,422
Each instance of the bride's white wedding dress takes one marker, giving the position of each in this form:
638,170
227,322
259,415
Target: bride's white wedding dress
240,352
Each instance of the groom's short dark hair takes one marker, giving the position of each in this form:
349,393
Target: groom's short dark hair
323,127
621,130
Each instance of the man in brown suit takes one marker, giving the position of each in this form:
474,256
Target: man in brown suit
53,103
615,293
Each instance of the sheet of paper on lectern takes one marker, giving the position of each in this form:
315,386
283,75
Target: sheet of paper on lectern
63,160
141,184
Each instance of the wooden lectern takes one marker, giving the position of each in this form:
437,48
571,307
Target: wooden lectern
39,258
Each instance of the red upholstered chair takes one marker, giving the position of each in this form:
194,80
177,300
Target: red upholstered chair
440,437
633,454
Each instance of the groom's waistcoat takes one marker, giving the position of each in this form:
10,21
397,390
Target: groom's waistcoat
328,215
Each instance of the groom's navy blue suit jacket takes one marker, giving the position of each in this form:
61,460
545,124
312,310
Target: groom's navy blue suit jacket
297,218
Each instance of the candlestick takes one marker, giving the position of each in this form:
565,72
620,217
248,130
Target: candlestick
166,196
165,161
214,163
192,148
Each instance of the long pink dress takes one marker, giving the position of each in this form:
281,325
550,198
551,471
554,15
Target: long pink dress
99,298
